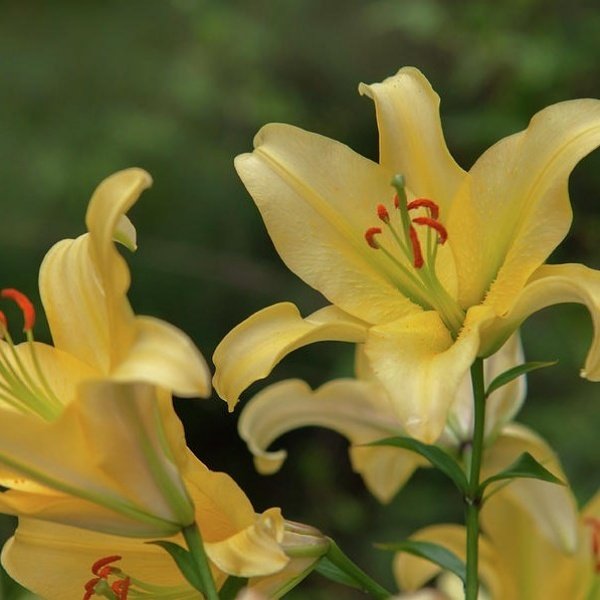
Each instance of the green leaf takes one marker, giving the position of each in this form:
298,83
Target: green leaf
184,561
524,467
515,372
231,587
434,553
438,457
326,568
335,565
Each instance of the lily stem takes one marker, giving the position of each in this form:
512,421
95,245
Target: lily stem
193,539
473,496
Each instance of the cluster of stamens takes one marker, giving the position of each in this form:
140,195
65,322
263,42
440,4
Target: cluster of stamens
100,585
26,389
594,525
413,269
416,254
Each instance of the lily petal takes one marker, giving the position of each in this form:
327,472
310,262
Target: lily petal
358,410
535,567
555,512
253,551
515,204
421,367
165,356
299,177
55,560
549,285
304,546
411,141
123,479
252,349
83,282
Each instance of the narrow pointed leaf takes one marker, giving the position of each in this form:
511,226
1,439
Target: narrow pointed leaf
438,457
231,587
515,372
184,561
434,553
335,565
524,467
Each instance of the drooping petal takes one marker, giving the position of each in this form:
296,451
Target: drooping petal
165,356
421,367
113,475
533,564
55,560
549,285
514,209
358,410
83,282
412,572
411,141
317,198
304,545
254,551
550,506
252,349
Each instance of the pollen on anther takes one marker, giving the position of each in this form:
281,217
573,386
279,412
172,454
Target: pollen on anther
121,587
416,248
370,236
441,230
24,303
100,564
434,209
396,201
3,322
382,213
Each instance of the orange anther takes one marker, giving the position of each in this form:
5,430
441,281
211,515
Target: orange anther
383,213
396,201
434,209
416,248
24,303
89,588
101,564
441,230
370,236
3,320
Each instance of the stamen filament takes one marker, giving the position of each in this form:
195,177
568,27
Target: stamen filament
40,373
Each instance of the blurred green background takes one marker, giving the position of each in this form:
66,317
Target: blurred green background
180,87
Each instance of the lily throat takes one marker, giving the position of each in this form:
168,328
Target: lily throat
413,257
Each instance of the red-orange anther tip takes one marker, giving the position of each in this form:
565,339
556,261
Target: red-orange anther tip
396,201
434,209
121,588
383,213
370,236
3,320
103,562
89,588
441,230
418,261
24,303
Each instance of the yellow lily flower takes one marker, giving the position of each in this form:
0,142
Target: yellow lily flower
360,410
88,435
517,561
58,561
455,265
